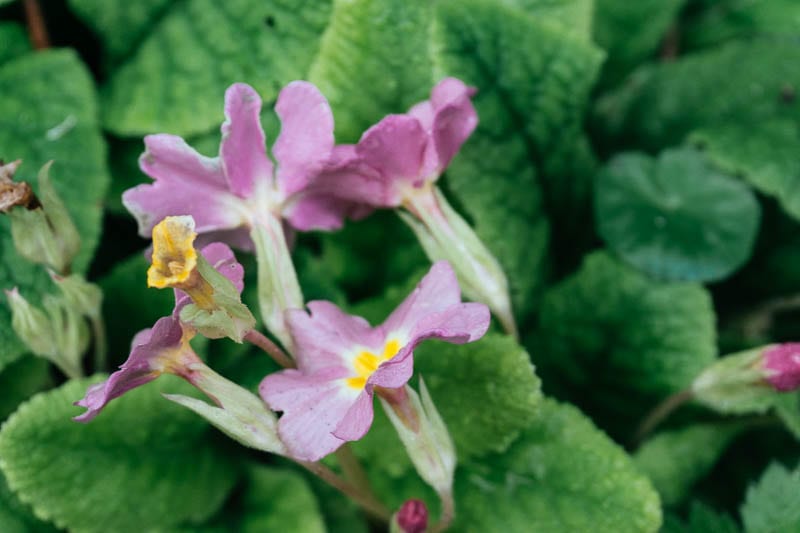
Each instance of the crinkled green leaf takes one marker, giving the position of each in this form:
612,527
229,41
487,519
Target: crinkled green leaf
483,388
38,124
574,16
13,41
130,306
674,460
675,217
533,81
176,79
374,59
772,505
631,31
563,474
618,341
720,95
702,519
121,25
15,517
142,463
19,381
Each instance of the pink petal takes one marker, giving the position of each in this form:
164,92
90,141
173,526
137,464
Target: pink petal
395,147
357,420
321,212
186,183
458,324
243,149
437,291
306,137
326,336
783,364
313,407
395,372
455,118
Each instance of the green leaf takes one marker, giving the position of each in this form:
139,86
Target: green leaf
19,381
533,81
573,16
773,504
13,40
365,41
120,25
667,103
278,500
631,31
563,474
485,388
38,124
15,517
142,463
675,217
622,339
175,81
702,519
674,460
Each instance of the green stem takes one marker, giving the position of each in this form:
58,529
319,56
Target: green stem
257,338
660,413
367,501
100,342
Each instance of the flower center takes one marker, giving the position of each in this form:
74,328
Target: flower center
366,363
174,256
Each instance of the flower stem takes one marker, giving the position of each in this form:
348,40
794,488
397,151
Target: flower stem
257,338
352,468
660,413
448,512
365,500
37,30
100,342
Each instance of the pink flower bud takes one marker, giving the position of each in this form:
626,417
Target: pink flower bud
413,517
782,363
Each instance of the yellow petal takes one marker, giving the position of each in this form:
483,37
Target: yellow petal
174,255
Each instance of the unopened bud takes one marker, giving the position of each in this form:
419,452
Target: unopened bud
31,325
411,518
782,366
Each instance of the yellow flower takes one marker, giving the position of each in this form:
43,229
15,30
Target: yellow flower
174,256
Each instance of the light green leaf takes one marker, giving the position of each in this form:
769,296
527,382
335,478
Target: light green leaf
773,504
374,59
15,517
563,474
573,16
702,519
278,500
675,217
13,40
668,103
623,338
631,31
38,124
175,81
533,81
120,25
142,463
674,460
20,380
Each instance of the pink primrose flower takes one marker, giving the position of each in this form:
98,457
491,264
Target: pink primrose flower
782,363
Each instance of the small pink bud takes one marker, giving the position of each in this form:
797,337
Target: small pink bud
413,517
782,363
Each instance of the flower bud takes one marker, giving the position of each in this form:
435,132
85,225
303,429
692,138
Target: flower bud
31,325
411,518
782,366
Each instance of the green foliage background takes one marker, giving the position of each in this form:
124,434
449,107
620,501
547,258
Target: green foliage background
636,171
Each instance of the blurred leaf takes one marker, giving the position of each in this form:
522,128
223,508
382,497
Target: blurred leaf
279,500
773,504
563,474
143,463
618,341
533,81
752,83
13,40
15,517
675,217
702,519
38,124
631,31
176,79
19,381
573,16
675,459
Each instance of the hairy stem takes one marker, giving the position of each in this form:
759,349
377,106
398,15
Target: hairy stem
353,471
660,413
448,512
367,501
37,30
257,338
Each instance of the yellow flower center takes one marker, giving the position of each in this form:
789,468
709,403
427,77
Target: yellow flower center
174,256
366,363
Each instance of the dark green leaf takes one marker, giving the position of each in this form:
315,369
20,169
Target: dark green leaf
20,380
773,504
13,41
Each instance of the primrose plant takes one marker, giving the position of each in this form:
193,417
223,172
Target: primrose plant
334,364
